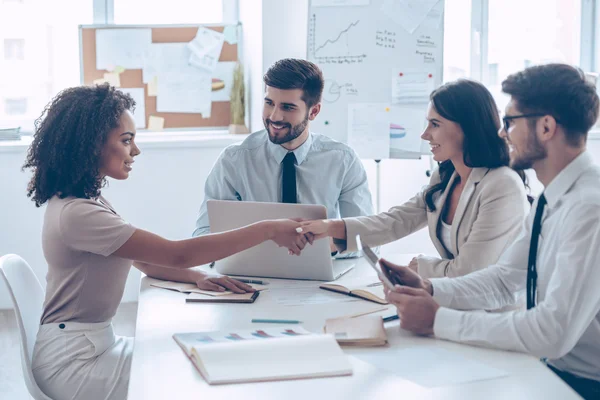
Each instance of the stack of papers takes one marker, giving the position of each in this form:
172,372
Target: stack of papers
10,134
267,354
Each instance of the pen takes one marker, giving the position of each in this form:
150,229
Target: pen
276,321
252,281
390,318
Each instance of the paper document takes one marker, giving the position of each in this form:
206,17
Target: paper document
431,366
306,295
230,34
206,49
410,86
140,105
121,47
113,79
369,130
156,123
164,57
183,92
406,127
409,14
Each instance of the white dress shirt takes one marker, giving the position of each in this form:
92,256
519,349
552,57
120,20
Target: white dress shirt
564,327
327,173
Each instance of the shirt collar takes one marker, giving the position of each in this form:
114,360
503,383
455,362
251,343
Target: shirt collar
278,151
567,177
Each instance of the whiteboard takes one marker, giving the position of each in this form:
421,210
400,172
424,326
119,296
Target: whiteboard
379,58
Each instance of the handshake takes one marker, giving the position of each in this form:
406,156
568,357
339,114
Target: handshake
295,234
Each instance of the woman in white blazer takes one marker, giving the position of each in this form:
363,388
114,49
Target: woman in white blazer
474,204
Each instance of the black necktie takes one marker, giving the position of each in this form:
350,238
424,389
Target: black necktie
288,192
533,249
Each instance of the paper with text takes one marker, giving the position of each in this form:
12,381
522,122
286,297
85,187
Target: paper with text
411,86
206,49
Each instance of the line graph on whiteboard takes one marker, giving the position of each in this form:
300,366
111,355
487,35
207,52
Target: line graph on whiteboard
336,47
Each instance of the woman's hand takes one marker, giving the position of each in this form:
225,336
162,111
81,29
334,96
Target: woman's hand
414,264
284,232
221,283
319,228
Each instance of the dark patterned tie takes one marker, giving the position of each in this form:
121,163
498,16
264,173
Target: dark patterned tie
288,192
533,249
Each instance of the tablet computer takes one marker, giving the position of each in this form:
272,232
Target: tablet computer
373,260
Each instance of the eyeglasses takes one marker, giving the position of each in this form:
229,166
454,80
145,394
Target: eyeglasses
506,119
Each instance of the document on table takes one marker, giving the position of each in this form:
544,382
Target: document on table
301,294
431,366
409,14
121,47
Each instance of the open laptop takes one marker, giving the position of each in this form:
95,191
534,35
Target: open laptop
268,259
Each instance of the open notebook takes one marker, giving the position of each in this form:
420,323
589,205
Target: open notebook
268,354
371,290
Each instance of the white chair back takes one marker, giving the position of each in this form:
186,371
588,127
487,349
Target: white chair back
27,296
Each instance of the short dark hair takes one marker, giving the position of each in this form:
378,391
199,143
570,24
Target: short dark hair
69,138
559,90
472,106
293,73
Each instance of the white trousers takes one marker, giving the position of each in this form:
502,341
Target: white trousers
82,361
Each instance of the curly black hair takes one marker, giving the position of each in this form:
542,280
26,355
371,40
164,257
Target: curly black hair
69,138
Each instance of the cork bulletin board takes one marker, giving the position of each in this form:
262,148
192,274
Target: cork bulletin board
133,78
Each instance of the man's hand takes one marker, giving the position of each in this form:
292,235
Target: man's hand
404,276
414,264
221,283
416,309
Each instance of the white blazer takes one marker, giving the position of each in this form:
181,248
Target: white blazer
490,213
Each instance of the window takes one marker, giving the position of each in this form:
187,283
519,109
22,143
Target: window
14,49
457,39
524,33
44,39
15,106
168,12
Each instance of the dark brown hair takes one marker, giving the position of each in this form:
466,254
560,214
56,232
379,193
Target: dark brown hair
292,73
472,106
69,138
559,90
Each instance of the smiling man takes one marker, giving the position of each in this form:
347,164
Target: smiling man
287,162
556,257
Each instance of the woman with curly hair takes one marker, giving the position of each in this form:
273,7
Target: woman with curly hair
84,136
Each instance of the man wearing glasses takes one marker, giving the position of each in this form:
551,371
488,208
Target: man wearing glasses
556,257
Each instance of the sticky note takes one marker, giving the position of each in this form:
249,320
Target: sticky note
113,79
230,34
156,123
118,69
152,86
99,81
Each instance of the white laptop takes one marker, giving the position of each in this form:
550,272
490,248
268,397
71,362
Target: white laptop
268,259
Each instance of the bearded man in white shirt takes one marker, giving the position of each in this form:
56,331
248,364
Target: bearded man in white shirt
556,257
287,162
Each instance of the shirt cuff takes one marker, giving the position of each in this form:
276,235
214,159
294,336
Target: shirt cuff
442,291
447,324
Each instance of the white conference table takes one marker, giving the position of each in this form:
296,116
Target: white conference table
160,370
